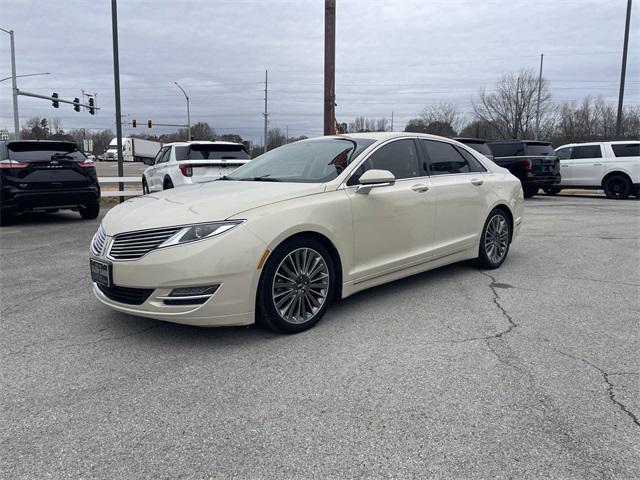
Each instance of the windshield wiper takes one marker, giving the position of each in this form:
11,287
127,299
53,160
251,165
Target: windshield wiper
265,178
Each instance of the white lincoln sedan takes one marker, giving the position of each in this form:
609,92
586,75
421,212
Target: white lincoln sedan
283,236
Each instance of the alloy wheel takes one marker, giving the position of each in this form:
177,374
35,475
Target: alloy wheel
300,285
496,239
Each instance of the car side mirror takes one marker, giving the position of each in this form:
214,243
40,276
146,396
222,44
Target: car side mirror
375,179
148,161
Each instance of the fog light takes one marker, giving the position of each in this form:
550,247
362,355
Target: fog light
193,291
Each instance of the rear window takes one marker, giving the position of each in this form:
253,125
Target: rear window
626,149
507,149
43,151
540,149
481,147
211,152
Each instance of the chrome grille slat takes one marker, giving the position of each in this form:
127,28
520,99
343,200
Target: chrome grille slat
134,245
97,242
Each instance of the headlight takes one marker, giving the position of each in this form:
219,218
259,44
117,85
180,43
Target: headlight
192,233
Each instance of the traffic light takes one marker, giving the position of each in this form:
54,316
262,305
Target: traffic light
149,124
55,103
76,104
92,110
134,123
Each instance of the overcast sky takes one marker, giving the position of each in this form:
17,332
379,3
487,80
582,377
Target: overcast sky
391,56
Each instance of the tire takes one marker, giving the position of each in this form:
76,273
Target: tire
497,234
552,190
145,187
5,219
89,212
279,307
617,187
529,191
167,184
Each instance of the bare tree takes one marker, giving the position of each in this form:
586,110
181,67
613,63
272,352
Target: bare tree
441,114
364,124
275,138
511,109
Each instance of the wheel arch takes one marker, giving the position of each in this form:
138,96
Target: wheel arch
507,211
328,244
615,172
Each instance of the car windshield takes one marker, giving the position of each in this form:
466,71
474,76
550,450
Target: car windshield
43,151
211,152
312,161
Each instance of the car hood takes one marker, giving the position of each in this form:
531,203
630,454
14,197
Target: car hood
203,202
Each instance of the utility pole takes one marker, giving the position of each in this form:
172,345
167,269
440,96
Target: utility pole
537,133
623,73
392,120
266,111
188,113
116,85
329,67
287,140
16,119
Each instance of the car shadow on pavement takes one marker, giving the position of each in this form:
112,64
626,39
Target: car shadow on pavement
166,334
33,218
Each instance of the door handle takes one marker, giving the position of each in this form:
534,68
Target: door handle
477,182
564,166
597,164
420,187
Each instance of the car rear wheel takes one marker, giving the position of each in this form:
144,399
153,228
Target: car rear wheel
617,187
296,287
494,242
89,212
529,191
552,190
167,184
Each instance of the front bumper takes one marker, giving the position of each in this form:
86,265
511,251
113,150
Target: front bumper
229,261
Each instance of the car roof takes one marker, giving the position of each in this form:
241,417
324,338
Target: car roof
586,144
381,136
469,139
199,142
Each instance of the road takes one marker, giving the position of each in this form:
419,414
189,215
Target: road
110,169
529,371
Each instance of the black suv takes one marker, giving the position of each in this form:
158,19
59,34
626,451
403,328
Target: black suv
43,175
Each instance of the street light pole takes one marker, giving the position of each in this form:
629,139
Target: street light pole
25,75
188,113
16,119
623,72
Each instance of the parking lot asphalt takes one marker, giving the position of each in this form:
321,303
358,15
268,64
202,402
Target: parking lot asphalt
528,371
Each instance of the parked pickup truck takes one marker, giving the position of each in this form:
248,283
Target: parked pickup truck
611,166
534,163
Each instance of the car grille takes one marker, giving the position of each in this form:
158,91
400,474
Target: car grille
97,242
130,296
133,245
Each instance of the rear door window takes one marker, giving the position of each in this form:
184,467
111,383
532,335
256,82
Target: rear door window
507,149
586,151
445,159
626,149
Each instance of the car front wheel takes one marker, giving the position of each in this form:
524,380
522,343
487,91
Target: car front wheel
297,286
145,186
494,242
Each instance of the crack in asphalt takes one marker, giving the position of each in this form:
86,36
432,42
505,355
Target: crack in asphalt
610,385
26,348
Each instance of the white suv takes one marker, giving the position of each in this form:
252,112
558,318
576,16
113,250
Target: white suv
611,166
186,163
